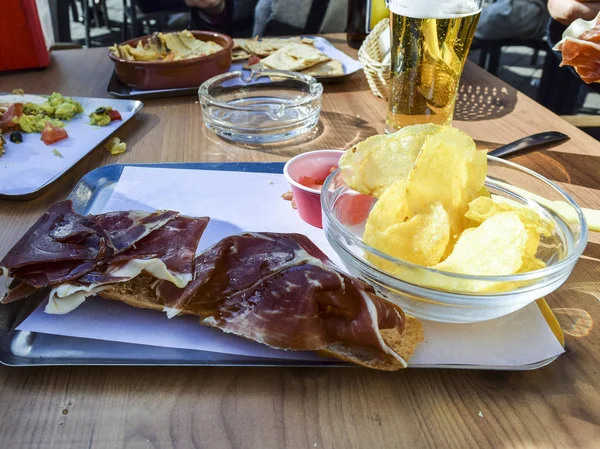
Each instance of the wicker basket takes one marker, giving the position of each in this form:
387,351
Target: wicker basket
369,54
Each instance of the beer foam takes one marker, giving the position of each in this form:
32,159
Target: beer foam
435,9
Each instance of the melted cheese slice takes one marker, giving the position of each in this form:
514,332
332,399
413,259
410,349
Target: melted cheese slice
156,268
5,282
67,297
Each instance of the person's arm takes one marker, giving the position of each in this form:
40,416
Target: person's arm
565,11
212,15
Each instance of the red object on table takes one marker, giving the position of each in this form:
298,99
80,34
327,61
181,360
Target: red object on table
22,41
313,166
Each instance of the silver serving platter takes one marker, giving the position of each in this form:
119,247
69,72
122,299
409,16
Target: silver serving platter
90,104
24,348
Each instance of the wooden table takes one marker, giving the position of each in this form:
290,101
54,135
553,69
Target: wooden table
110,407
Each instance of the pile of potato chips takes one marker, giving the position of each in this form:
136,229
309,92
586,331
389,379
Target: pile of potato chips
433,210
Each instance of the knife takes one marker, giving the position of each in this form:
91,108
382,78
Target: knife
528,142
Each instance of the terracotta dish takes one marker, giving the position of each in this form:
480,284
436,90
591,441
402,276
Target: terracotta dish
174,74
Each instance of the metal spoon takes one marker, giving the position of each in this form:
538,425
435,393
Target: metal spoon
528,142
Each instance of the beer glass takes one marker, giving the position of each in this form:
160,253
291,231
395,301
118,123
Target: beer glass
430,40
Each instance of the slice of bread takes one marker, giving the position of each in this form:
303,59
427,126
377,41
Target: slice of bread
139,293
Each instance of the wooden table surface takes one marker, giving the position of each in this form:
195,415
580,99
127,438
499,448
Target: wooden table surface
161,407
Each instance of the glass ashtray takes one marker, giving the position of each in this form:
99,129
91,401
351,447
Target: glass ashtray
264,106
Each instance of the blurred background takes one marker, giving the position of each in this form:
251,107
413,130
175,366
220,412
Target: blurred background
511,41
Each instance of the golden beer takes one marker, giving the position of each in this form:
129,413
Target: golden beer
428,55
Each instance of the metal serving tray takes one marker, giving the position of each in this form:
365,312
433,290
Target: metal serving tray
24,348
34,160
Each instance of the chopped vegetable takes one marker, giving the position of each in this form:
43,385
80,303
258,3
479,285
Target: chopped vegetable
63,108
2,142
104,115
52,134
33,109
57,153
8,118
314,183
115,146
114,115
16,137
66,111
36,123
17,92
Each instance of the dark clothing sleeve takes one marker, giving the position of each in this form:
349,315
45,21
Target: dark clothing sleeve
221,23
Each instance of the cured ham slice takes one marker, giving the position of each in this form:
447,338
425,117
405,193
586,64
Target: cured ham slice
282,291
172,248
580,48
126,228
80,255
276,289
59,235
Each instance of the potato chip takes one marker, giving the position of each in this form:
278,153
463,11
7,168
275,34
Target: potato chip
448,169
482,208
376,163
531,264
421,240
494,248
390,209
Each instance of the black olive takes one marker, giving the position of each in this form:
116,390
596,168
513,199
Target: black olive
16,137
100,110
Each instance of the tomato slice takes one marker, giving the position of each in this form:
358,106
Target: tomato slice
354,209
316,183
52,134
114,115
309,181
253,59
6,121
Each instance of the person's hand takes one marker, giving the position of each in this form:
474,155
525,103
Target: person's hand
208,6
565,11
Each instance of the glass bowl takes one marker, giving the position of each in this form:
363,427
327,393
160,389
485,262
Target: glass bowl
264,106
436,295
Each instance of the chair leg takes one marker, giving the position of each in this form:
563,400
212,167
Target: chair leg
74,12
135,23
563,102
105,13
124,23
494,60
483,57
534,57
95,14
86,22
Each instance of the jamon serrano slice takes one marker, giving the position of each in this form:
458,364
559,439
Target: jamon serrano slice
59,235
79,255
580,48
282,291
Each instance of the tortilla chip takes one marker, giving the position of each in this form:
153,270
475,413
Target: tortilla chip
265,47
327,68
239,54
295,57
240,44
